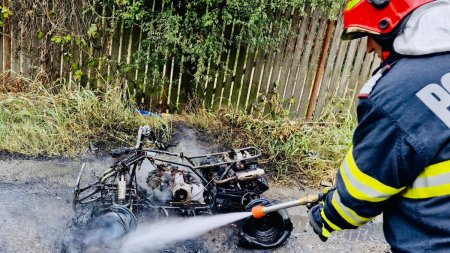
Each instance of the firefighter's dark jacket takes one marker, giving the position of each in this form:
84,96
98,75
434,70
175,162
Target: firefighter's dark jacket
399,162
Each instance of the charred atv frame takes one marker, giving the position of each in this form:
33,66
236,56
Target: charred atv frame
182,185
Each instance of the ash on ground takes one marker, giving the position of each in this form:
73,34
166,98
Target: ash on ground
36,212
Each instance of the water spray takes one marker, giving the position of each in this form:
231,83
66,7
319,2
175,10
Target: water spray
260,211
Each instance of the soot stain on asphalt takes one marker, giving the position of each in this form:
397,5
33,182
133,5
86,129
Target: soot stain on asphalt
36,213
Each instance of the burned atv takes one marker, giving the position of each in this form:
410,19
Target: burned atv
178,184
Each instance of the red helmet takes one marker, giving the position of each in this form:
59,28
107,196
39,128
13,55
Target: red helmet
377,17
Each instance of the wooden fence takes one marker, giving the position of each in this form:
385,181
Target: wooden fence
310,68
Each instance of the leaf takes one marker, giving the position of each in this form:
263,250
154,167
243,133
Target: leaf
78,75
40,35
75,66
56,39
92,32
83,42
67,38
80,41
6,12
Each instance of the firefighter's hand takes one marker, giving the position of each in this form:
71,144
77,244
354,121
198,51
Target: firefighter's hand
316,222
321,197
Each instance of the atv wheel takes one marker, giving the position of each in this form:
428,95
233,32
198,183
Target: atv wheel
268,232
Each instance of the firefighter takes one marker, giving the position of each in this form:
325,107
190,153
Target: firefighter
399,161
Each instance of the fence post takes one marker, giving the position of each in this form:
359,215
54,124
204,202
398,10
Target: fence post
6,44
320,70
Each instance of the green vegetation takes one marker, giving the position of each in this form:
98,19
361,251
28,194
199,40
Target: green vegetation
194,33
42,118
35,121
293,150
38,122
58,122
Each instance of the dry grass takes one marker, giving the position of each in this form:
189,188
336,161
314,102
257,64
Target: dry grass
59,122
293,150
64,123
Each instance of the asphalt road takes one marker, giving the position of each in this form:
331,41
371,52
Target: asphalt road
35,210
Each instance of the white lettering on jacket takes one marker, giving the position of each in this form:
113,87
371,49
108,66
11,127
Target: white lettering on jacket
437,98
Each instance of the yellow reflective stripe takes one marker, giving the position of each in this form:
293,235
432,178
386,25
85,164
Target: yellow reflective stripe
368,180
361,185
436,169
346,213
434,181
427,192
331,224
354,192
352,3
326,233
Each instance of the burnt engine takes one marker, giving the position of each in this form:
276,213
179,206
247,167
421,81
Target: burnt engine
236,184
172,184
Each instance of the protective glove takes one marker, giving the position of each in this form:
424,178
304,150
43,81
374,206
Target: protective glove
316,222
315,219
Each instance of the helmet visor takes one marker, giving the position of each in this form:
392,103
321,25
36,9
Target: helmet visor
352,33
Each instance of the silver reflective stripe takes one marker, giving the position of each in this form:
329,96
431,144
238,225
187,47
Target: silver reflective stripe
360,186
348,211
432,181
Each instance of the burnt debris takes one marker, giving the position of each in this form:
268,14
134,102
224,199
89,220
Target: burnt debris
179,185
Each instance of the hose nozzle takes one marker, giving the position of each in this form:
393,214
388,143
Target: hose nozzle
260,211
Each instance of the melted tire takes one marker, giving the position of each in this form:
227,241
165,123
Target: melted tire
108,227
268,232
